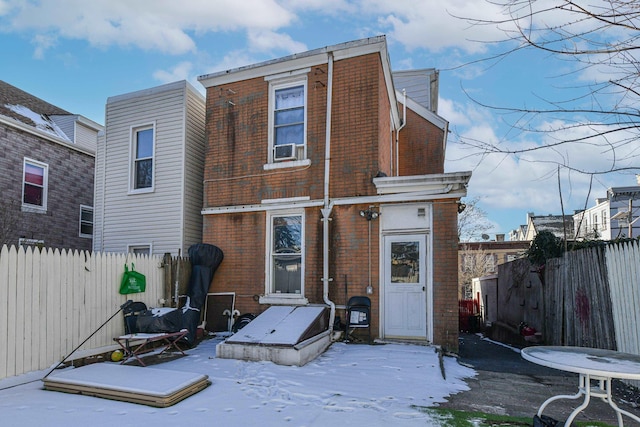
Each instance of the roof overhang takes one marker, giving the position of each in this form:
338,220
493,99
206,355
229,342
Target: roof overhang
443,184
44,135
311,58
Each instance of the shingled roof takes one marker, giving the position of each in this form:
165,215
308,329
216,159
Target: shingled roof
30,110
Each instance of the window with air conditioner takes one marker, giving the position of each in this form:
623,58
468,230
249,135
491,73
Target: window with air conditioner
287,120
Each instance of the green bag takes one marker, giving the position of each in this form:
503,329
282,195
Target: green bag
132,281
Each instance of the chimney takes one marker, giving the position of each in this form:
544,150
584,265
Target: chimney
499,237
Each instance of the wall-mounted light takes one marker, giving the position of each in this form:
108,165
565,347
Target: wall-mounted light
461,207
369,214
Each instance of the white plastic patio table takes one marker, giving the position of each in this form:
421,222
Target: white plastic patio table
591,364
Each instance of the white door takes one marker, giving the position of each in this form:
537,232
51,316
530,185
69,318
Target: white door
405,273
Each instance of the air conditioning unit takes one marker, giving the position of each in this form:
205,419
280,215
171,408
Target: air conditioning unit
284,152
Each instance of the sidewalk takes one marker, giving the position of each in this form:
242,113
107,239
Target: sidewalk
509,385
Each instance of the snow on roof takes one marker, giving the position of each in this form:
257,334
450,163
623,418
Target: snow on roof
40,121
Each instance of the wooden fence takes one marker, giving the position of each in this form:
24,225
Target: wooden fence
51,301
589,297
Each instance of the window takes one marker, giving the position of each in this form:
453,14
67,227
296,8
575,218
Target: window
142,159
34,185
605,222
86,221
139,249
286,267
287,121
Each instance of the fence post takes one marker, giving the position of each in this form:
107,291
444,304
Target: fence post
168,266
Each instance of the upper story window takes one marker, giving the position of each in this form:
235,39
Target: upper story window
34,185
288,120
142,159
86,221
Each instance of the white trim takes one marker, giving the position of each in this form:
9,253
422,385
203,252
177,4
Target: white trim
286,200
86,208
133,131
28,207
274,86
292,75
269,294
44,135
423,112
131,247
283,165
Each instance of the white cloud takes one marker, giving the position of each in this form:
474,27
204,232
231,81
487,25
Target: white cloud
428,25
181,71
268,41
163,25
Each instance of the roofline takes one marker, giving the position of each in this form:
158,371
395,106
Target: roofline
310,58
44,135
423,112
155,90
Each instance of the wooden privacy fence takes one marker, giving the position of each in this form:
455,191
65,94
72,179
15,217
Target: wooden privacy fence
589,297
52,300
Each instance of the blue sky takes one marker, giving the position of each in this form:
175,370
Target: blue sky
75,54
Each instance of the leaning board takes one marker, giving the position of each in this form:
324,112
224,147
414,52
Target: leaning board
134,384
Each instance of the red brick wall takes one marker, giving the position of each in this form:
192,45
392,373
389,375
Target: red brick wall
421,147
445,274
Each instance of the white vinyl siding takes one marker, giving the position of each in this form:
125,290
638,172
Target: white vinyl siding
169,218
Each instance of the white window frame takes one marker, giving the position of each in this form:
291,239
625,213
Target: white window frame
270,296
85,208
132,248
132,158
28,207
278,82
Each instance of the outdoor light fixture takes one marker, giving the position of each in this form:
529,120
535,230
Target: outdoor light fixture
369,214
461,207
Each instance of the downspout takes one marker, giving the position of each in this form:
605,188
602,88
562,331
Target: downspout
326,210
404,123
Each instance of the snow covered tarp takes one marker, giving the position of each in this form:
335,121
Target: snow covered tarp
147,386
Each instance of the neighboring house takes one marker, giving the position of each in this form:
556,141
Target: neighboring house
478,259
560,226
323,182
47,158
609,219
149,171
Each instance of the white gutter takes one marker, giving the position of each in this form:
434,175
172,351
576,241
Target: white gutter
404,123
326,210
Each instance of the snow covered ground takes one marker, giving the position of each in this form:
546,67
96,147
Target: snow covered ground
350,384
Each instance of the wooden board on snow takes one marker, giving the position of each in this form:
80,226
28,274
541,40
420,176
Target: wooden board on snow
154,387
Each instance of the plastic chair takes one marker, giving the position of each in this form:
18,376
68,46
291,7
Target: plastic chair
359,315
131,313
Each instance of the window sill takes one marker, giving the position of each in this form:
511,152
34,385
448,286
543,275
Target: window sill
289,164
33,209
278,299
141,191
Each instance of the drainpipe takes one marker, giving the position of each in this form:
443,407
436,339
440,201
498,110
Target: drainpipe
326,210
404,123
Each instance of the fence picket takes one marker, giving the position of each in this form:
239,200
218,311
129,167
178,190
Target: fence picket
52,300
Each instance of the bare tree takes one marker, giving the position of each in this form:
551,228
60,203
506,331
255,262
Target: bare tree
472,221
474,262
600,38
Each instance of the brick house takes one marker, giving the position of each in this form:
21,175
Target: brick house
47,158
323,182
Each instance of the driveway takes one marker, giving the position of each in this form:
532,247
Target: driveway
509,385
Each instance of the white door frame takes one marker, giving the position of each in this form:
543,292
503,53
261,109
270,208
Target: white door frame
428,278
